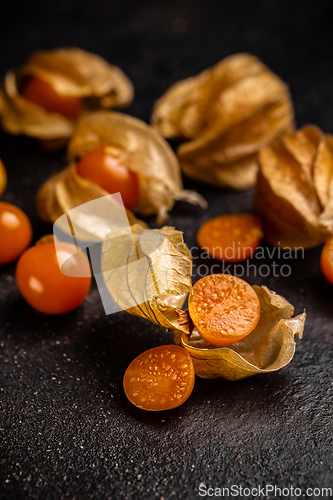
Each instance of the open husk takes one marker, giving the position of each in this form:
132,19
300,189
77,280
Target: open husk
294,196
71,72
144,151
225,115
3,178
67,190
269,347
148,274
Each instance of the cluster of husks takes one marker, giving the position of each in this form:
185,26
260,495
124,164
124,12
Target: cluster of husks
230,118
225,115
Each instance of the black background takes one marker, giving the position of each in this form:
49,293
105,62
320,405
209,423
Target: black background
66,429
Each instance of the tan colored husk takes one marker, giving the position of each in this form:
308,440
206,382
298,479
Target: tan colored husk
294,196
71,72
144,151
226,115
21,116
268,348
67,190
3,178
148,273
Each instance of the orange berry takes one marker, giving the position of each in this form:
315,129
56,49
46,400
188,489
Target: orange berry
161,378
232,238
224,308
15,232
42,283
326,260
42,94
104,169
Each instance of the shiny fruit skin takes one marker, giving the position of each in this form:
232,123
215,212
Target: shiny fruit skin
108,172
42,284
232,238
224,309
15,232
161,378
42,94
326,260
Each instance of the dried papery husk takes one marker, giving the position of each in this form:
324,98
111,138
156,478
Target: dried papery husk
268,348
144,151
74,72
67,190
21,116
3,178
71,72
148,273
225,115
294,196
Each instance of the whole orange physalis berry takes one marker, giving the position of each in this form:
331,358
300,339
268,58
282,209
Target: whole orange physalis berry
42,94
43,284
224,308
232,238
107,171
15,232
161,378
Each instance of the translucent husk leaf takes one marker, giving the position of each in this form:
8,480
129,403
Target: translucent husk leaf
144,151
148,273
67,190
3,178
294,196
226,115
71,72
268,348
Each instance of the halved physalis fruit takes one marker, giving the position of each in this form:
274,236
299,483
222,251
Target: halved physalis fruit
326,260
41,93
232,238
105,169
42,282
224,308
159,379
3,178
15,232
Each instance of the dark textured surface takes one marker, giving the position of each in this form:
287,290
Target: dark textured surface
66,429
